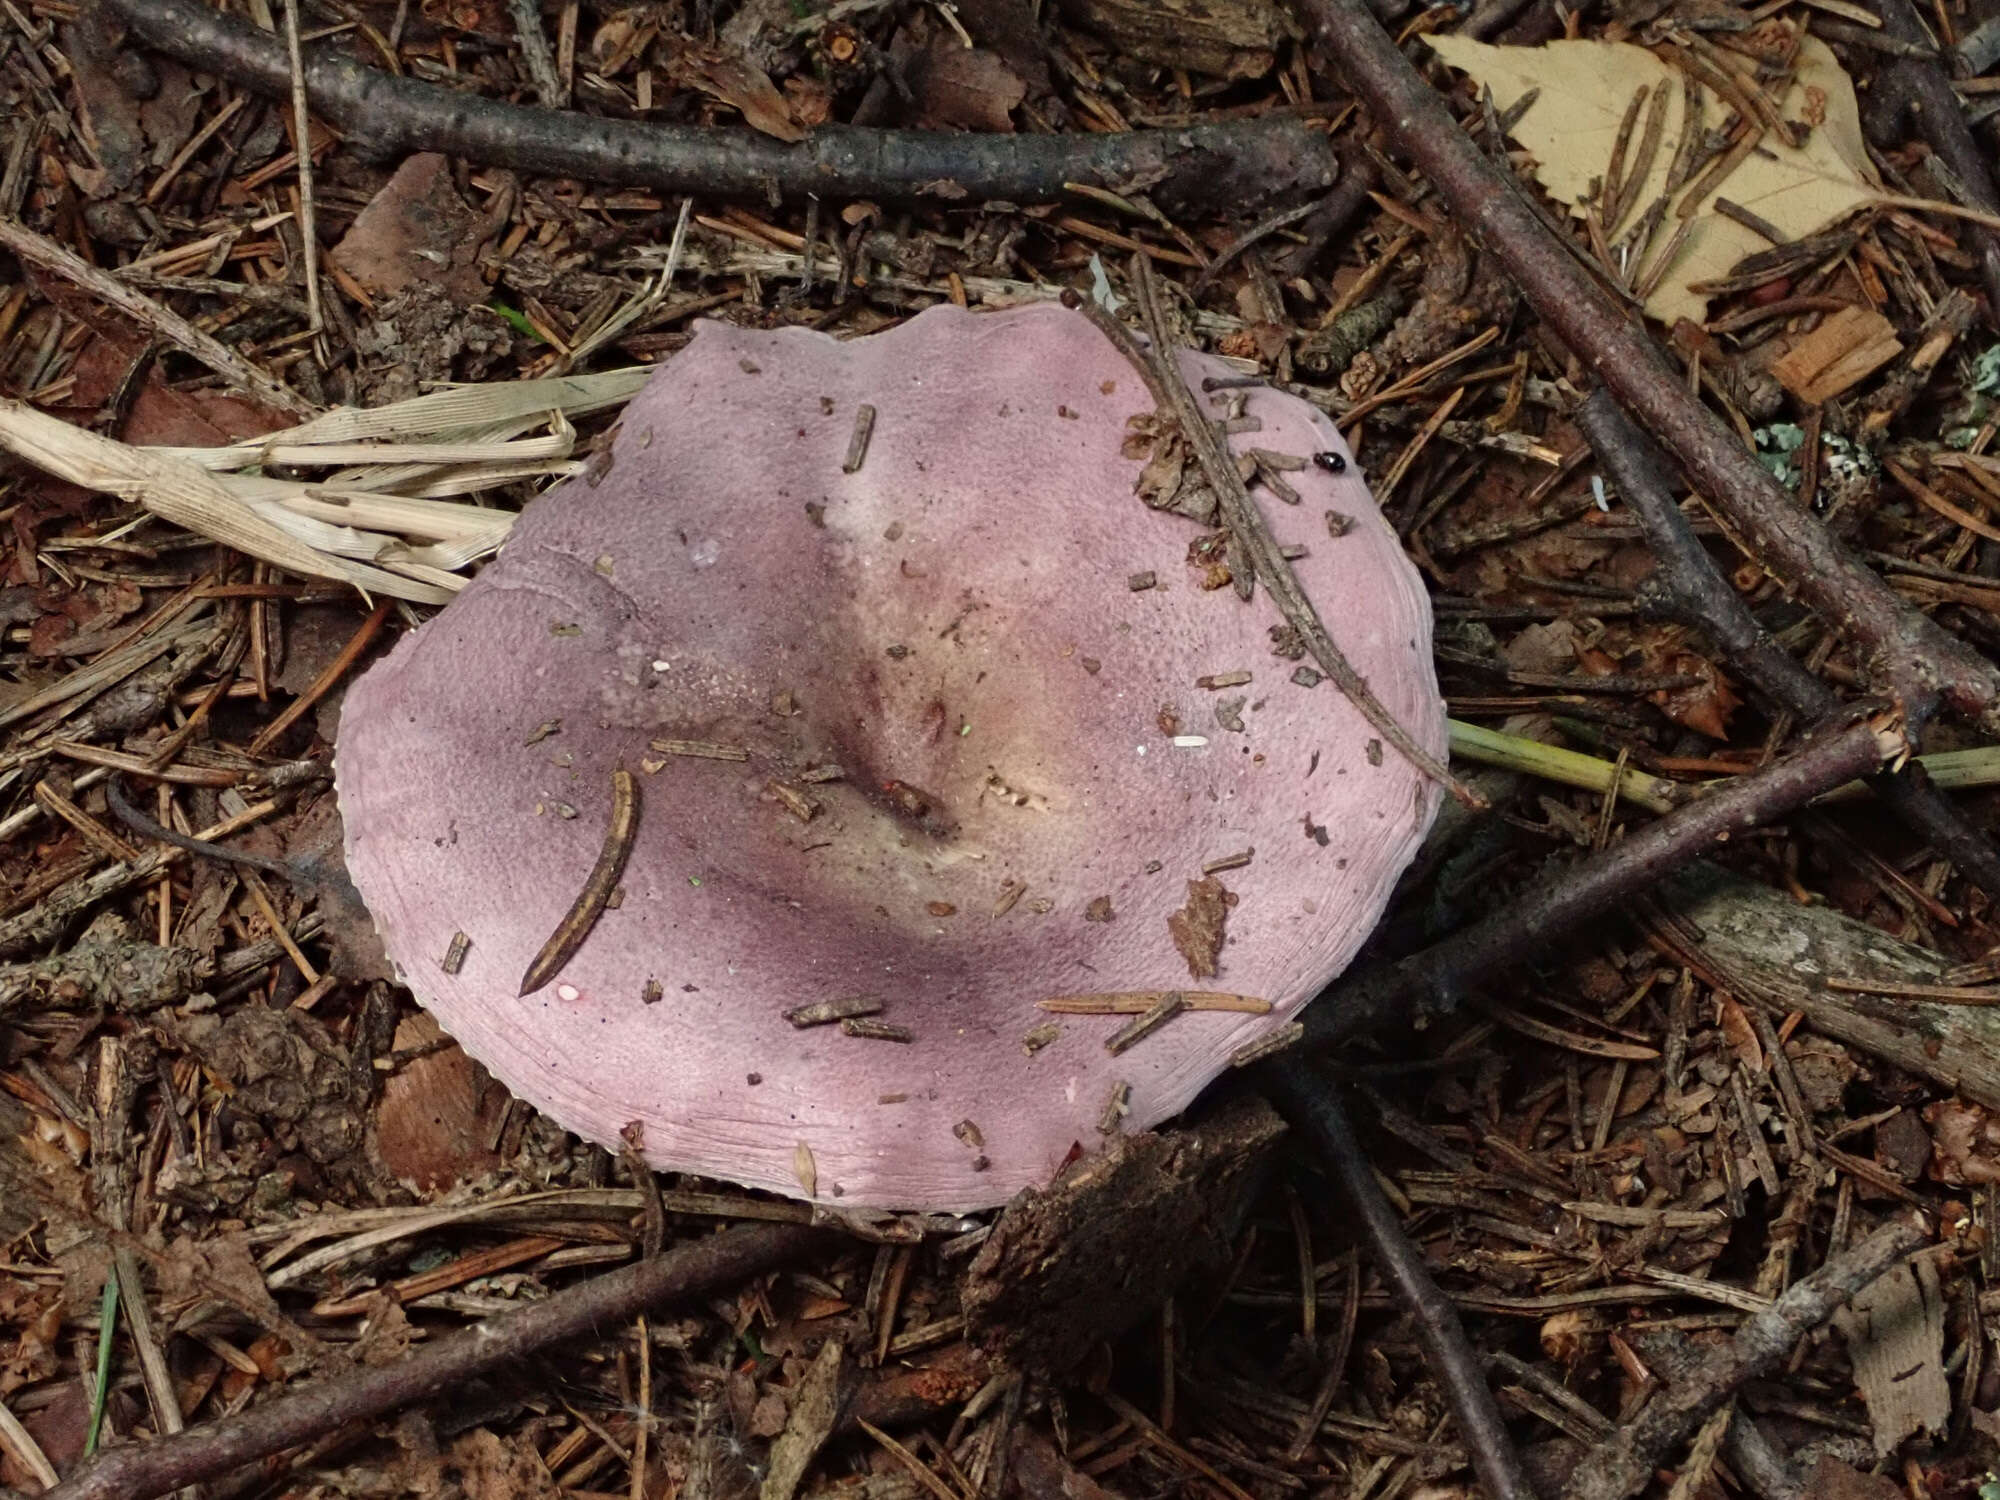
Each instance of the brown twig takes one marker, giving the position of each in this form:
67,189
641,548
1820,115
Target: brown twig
323,684
1186,167
597,888
1157,366
1622,1466
1598,884
1687,586
1312,1105
1911,657
142,1471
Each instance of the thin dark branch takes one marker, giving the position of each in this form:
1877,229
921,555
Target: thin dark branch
1359,176
138,822
1598,884
1182,169
1748,1449
1621,1467
142,1471
1284,218
1918,89
1910,656
1313,1106
1690,588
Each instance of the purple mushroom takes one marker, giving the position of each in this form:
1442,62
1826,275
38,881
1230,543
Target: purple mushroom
928,720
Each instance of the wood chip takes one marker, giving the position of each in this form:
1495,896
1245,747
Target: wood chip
796,802
805,1169
1116,1107
1138,1002
872,1030
701,749
454,956
1282,463
1140,1027
1845,349
826,1012
1275,483
1215,680
1234,861
1197,928
1285,1036
857,446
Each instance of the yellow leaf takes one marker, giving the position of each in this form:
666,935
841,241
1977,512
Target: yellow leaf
1570,129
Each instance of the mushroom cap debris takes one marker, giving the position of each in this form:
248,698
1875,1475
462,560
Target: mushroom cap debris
911,733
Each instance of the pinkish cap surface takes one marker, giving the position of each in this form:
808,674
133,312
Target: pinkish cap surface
952,626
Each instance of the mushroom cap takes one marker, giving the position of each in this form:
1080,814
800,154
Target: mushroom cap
953,626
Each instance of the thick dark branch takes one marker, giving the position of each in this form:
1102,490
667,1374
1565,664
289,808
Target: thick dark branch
1908,654
1187,169
1313,1106
1690,588
142,1471
1620,1468
1598,884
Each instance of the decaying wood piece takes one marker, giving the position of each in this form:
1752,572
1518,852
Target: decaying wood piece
1895,1334
1085,1258
1227,38
1848,347
1760,944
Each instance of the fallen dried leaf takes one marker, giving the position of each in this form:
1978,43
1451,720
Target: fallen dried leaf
416,228
1585,89
967,88
743,86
